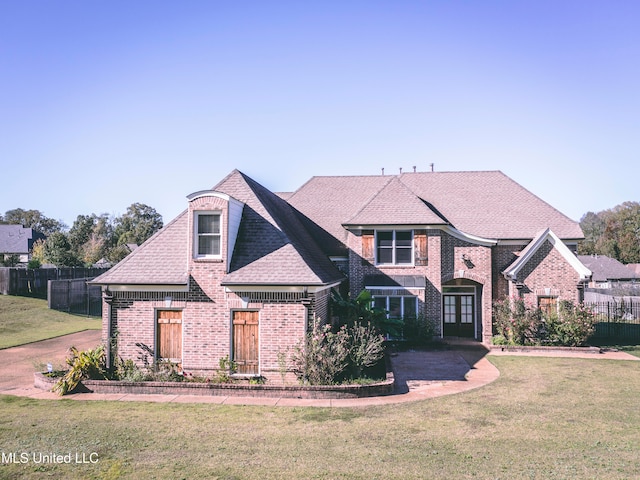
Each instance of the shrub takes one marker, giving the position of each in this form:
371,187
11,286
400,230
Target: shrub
516,323
366,347
88,364
419,330
322,356
571,326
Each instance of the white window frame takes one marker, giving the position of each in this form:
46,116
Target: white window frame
394,247
197,235
402,297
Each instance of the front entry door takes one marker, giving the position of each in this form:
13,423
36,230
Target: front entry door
458,315
245,342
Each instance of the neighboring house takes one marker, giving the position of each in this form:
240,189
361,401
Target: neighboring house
18,240
243,272
607,272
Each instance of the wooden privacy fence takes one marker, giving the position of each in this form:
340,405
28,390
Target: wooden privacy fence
33,282
616,321
75,296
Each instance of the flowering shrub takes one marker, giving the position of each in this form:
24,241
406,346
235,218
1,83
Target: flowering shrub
571,326
516,323
323,356
327,357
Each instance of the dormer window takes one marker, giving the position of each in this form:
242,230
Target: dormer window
208,235
394,247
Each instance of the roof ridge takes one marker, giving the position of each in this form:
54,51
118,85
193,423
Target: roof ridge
373,196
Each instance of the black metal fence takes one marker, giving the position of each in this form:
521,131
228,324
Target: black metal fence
75,296
616,321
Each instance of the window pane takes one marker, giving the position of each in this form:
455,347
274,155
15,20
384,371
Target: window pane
380,302
208,223
403,239
394,307
385,255
410,307
403,255
385,239
208,245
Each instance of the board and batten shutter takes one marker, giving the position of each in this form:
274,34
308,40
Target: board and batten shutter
368,247
170,335
246,342
420,247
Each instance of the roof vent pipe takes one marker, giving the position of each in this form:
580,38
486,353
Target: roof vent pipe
431,165
383,171
400,170
414,169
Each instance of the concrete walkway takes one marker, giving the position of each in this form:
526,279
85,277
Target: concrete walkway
419,374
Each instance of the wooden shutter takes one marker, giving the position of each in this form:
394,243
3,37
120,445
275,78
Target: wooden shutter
245,342
170,334
420,247
368,247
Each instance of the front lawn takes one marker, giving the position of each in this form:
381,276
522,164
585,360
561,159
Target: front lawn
25,320
543,418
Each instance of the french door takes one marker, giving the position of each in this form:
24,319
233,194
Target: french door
458,315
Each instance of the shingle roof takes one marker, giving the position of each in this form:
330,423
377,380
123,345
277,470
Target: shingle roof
273,247
161,260
605,268
17,239
486,204
397,205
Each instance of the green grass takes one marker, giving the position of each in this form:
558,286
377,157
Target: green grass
24,320
544,418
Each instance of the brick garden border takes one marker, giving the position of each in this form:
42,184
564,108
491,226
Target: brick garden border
385,387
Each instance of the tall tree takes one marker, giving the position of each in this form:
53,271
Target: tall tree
33,219
614,233
91,237
58,251
137,224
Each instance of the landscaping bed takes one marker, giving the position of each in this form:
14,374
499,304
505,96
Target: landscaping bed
385,387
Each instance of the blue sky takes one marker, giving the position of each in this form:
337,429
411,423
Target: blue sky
107,103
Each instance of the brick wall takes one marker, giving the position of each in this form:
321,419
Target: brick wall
549,273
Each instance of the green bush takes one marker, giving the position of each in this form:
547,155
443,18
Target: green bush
571,326
518,323
515,323
88,364
322,356
418,330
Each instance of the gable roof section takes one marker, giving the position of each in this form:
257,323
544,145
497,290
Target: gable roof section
606,268
489,204
161,260
331,201
273,247
483,204
511,273
395,204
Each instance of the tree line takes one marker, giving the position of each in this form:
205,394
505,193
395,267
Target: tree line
614,233
91,237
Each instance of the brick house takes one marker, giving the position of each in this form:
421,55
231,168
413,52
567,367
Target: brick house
244,271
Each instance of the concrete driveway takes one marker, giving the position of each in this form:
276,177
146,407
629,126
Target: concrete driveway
18,364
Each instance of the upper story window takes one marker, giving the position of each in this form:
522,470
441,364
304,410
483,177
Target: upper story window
208,235
394,247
